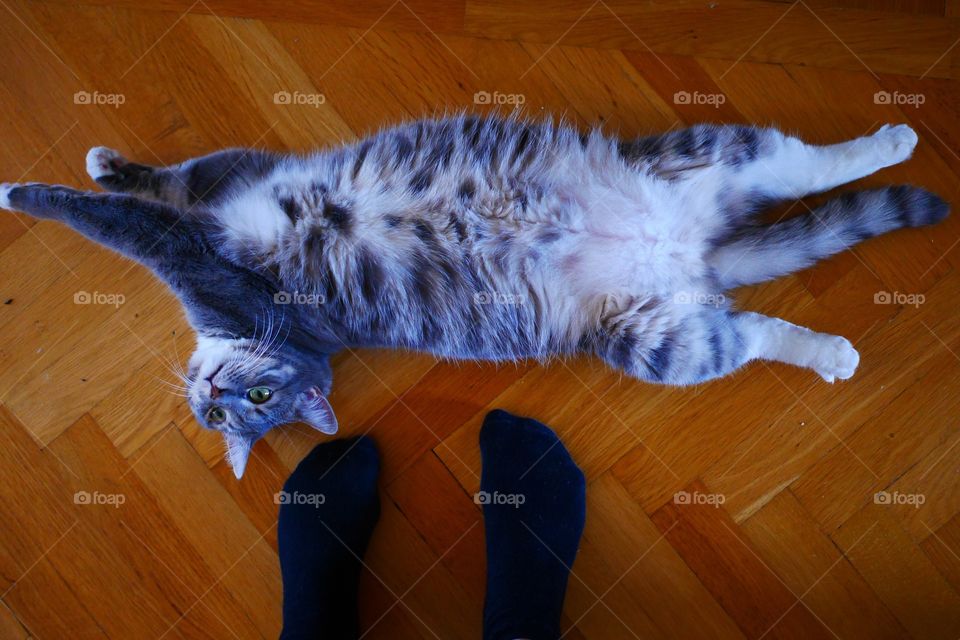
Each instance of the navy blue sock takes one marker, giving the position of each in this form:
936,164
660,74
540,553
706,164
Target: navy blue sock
328,509
534,499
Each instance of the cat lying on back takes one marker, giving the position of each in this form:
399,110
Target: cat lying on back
481,238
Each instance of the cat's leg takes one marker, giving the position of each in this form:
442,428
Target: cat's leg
757,253
201,180
766,163
765,338
149,232
680,344
792,168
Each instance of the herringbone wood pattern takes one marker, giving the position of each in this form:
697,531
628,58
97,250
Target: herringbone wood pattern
799,547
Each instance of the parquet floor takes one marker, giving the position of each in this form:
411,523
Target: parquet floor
120,518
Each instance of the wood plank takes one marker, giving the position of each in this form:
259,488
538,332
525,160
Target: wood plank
430,498
10,627
943,549
753,595
651,570
791,544
238,555
877,453
418,15
755,31
115,551
38,502
928,493
900,573
419,579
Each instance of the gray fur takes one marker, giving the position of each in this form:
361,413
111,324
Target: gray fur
478,238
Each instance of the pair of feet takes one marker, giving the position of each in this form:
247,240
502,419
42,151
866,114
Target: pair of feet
534,510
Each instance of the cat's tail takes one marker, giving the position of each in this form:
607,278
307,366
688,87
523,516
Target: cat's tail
760,253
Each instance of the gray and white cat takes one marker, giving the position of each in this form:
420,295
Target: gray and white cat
481,238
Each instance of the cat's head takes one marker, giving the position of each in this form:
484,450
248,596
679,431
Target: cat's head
243,388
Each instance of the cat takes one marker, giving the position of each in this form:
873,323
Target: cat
482,238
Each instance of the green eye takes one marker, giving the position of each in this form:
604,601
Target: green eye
216,414
259,395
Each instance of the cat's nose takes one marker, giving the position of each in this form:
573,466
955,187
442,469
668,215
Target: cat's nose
214,390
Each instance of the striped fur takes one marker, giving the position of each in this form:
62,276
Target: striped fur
757,253
484,238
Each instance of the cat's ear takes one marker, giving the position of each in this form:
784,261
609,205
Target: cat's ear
314,409
238,450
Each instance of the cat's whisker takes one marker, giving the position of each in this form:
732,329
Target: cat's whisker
181,373
172,388
172,367
492,238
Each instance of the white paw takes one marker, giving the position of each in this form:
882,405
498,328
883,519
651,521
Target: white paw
896,143
102,161
836,358
5,189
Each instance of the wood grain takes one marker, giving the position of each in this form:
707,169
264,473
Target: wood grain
797,544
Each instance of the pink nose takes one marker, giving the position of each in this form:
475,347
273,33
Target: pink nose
215,391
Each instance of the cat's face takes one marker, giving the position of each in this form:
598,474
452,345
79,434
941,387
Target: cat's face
242,389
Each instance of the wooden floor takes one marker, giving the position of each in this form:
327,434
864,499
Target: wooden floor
768,504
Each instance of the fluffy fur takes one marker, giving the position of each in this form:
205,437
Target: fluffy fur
482,238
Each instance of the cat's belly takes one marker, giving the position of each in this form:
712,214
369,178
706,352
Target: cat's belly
646,240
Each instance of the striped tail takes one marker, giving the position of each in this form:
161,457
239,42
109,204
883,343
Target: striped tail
760,253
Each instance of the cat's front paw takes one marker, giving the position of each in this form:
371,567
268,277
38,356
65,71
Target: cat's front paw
836,358
895,142
103,162
5,189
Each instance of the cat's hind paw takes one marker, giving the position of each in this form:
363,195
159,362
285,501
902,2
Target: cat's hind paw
895,142
836,358
103,162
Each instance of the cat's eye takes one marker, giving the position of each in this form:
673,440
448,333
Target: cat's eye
216,414
259,395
